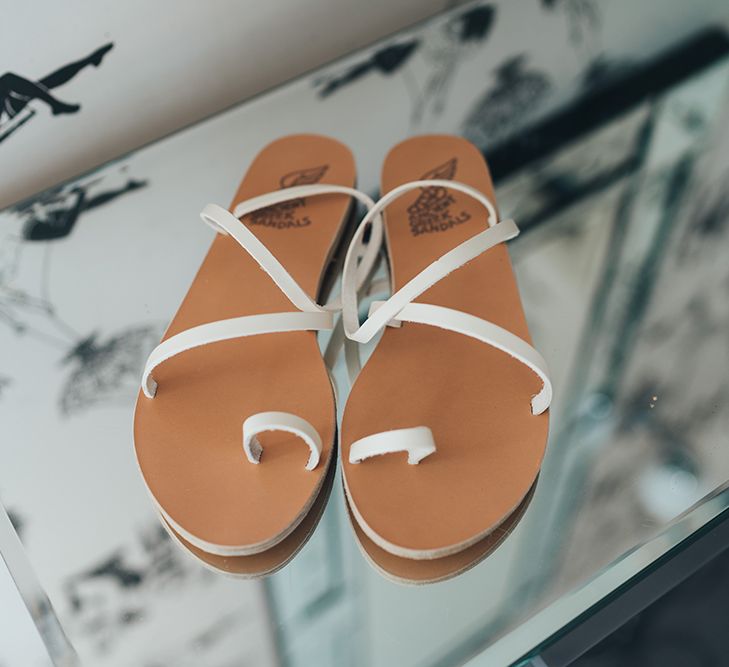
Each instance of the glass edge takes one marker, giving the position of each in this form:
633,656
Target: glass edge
587,597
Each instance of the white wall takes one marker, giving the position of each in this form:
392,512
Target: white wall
173,62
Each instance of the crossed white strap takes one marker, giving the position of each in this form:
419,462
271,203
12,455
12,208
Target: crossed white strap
400,307
310,316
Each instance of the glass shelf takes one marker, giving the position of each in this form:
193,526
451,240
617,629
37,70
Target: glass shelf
619,183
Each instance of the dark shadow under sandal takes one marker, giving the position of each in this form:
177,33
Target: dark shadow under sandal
453,385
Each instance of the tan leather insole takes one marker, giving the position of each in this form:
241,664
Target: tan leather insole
475,399
273,559
188,439
418,572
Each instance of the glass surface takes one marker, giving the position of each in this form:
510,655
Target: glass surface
622,266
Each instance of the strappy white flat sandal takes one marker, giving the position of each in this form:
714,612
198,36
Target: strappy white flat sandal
446,425
238,383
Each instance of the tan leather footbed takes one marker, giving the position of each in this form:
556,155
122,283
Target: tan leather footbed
273,559
475,399
410,571
188,439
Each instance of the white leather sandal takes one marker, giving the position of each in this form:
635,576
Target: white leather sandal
446,425
238,383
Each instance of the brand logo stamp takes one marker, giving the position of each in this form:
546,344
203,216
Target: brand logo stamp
290,213
433,210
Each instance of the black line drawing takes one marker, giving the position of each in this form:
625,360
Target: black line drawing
113,594
443,48
583,16
455,40
106,371
18,92
49,217
18,306
54,213
713,219
101,371
474,24
387,60
113,569
709,219
603,70
517,94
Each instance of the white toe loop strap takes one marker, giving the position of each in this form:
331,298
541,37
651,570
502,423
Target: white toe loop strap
280,421
417,441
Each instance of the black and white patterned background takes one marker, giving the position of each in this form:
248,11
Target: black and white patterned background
90,272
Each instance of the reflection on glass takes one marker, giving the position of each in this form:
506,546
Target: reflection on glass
622,265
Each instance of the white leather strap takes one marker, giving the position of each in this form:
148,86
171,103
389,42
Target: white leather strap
274,197
452,260
312,317
486,332
417,441
224,222
400,307
371,249
430,275
279,421
237,327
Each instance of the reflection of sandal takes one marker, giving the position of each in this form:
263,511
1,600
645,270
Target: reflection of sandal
269,561
453,381
241,354
410,571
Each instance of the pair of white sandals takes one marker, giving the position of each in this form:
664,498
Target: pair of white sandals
445,427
